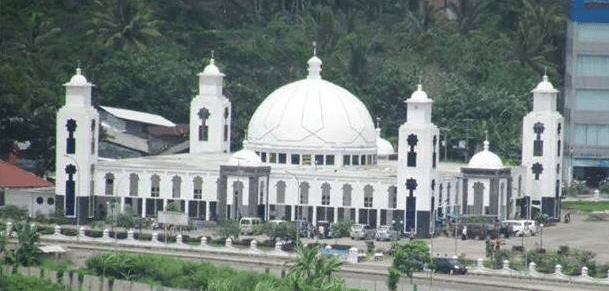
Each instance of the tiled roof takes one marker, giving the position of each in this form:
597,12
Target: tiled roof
13,177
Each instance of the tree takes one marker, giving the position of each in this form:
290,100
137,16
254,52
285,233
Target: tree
314,272
124,24
409,258
229,228
28,251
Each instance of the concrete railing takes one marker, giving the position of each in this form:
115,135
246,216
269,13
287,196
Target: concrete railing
532,272
155,242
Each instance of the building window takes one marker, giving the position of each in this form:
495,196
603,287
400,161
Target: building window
176,182
319,159
92,136
282,158
306,160
363,160
392,197
203,128
304,193
347,195
263,157
346,160
71,141
133,184
411,159
592,65
330,160
368,196
197,188
226,132
2,198
588,134
295,159
355,160
281,192
273,158
538,128
325,194
155,182
109,184
558,149
591,100
592,32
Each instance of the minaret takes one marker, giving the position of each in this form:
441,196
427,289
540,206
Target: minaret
76,148
542,136
418,158
210,114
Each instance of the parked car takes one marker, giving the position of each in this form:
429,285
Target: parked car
360,231
449,265
478,231
386,232
519,227
532,226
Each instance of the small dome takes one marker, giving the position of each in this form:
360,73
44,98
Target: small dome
78,80
245,158
383,146
314,68
211,69
485,159
544,86
419,95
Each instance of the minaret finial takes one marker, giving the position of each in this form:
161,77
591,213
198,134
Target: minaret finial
486,140
78,71
314,48
378,122
211,60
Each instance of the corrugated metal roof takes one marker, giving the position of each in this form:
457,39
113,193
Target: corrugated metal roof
138,116
13,177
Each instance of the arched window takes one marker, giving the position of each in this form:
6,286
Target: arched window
176,183
304,193
325,194
392,197
197,188
155,182
347,195
368,190
280,192
109,184
133,184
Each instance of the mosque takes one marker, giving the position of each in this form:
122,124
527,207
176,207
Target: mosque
312,152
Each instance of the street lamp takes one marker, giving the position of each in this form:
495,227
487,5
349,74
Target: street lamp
297,203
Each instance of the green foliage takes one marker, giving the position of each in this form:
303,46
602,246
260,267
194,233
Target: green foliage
174,206
585,206
15,282
283,231
393,279
342,228
229,228
27,253
310,272
13,213
411,257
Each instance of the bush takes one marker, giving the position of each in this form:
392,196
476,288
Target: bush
69,232
342,228
14,282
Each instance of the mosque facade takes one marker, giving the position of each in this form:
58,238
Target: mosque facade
312,153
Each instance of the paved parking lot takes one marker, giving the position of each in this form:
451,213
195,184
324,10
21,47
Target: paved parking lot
590,236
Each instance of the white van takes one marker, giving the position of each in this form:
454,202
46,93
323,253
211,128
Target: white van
248,223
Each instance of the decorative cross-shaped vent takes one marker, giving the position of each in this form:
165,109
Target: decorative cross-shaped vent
538,143
411,160
71,141
70,190
537,169
203,128
411,185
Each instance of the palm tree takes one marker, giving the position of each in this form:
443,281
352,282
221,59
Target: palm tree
314,272
124,24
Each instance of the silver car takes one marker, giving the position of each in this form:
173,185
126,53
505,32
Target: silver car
360,231
387,233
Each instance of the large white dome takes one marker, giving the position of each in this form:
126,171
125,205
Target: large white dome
485,160
312,114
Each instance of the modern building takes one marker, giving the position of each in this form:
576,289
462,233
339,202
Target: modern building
586,91
312,152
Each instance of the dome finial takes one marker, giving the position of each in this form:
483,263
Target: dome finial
211,60
314,48
314,64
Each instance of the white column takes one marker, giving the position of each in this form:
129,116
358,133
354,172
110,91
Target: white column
378,217
356,215
293,214
314,214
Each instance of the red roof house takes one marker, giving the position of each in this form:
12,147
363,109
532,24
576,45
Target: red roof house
13,177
